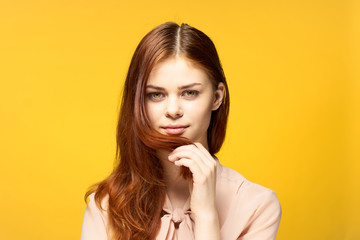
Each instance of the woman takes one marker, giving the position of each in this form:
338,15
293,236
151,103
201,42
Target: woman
168,184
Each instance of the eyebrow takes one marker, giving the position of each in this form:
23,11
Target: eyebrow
180,88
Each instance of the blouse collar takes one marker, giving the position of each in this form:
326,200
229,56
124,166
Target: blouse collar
181,219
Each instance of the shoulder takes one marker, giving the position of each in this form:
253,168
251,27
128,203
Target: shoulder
95,209
244,193
245,208
95,220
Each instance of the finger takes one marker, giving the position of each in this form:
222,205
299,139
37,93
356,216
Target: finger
182,148
196,171
207,167
205,152
191,149
191,153
208,160
206,157
185,151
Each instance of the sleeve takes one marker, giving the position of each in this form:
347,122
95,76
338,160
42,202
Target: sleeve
94,224
265,221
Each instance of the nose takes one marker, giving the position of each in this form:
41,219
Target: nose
173,108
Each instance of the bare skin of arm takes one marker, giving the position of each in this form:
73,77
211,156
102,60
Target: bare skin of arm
203,192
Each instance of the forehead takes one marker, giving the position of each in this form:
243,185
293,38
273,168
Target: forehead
177,71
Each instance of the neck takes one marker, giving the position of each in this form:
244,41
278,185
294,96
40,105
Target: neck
175,183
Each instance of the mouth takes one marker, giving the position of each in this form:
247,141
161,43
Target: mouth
175,130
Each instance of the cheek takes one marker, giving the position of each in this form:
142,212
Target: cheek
200,113
153,111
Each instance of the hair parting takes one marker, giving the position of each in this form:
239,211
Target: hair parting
135,190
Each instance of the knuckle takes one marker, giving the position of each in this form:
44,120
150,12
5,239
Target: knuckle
212,171
208,172
202,179
197,144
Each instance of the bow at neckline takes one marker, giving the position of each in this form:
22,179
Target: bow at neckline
179,219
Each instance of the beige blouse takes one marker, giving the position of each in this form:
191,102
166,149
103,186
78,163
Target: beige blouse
246,211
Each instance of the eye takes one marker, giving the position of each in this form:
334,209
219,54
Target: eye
190,93
155,95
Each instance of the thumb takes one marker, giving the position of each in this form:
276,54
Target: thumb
190,187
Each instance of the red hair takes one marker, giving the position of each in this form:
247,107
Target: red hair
136,187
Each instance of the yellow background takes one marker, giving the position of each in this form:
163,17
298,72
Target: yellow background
293,72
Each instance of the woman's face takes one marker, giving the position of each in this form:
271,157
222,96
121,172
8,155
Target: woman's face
180,99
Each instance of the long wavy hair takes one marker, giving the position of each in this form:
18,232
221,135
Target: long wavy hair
136,188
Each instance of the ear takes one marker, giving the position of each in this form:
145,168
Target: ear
218,96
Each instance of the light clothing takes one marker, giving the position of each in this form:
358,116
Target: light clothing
246,211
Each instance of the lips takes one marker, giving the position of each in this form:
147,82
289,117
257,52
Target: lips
176,130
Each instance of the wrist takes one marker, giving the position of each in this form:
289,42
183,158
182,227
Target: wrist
207,225
206,215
